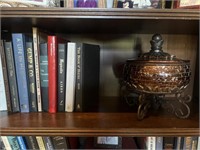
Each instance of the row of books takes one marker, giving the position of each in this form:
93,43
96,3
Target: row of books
34,142
176,143
103,3
43,72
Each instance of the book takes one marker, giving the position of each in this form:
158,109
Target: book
109,3
62,56
2,146
52,73
12,76
188,4
44,76
31,76
40,142
48,143
86,3
151,143
5,82
70,77
13,142
21,70
60,142
87,76
187,142
169,143
21,142
101,3
159,142
194,143
31,142
36,41
3,106
69,3
6,142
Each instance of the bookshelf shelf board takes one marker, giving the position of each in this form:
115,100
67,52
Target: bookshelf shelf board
96,124
182,14
117,21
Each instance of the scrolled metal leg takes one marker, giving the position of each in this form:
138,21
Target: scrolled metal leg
143,107
183,100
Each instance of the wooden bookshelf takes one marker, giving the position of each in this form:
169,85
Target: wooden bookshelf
179,26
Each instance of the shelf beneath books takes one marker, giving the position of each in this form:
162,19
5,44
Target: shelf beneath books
101,20
96,124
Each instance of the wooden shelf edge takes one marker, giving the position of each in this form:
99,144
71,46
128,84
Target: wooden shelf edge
115,13
96,124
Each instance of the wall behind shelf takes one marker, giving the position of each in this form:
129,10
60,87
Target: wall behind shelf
117,48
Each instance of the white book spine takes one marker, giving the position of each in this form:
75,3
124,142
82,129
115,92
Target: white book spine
3,105
151,145
70,77
6,142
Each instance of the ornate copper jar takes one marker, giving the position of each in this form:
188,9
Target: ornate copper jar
157,72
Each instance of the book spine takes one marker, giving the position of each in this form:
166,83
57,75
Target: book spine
12,76
48,143
31,75
37,69
40,142
13,142
159,142
6,142
21,143
187,142
52,73
151,145
70,77
2,146
21,71
31,142
3,105
5,77
59,142
44,76
62,56
78,91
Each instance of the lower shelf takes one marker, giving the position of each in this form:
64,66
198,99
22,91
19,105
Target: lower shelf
96,124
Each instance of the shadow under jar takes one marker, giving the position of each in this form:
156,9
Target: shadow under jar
156,74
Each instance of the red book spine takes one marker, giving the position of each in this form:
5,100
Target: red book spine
52,73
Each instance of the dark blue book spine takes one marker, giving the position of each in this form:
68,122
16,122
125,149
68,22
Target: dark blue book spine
12,76
62,56
44,76
21,142
21,70
31,75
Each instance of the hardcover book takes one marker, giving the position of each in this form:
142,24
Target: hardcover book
48,142
31,75
62,56
87,76
13,142
21,70
5,79
12,76
70,77
31,142
52,73
40,142
3,105
21,142
2,146
60,142
6,142
44,76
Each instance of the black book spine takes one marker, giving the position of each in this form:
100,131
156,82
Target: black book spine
44,76
62,56
31,142
78,90
12,76
31,75
5,76
60,142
